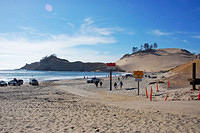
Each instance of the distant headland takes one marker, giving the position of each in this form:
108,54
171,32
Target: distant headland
53,63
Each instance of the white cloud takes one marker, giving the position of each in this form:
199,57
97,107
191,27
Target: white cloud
15,54
89,28
18,48
70,24
48,8
28,29
197,37
88,21
88,55
130,33
185,41
159,33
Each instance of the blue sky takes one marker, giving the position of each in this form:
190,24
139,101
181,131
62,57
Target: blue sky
93,30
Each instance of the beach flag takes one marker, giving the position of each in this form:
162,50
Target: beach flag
168,84
166,97
157,87
146,93
151,94
199,94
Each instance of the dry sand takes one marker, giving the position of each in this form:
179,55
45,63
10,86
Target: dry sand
182,73
75,106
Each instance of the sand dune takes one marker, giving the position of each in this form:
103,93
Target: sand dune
160,60
182,73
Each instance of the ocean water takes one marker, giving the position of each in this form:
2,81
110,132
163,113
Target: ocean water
8,75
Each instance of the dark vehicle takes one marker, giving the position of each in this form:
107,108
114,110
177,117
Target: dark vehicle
93,80
127,75
16,82
13,83
3,83
33,82
20,81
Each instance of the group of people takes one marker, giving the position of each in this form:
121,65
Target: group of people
120,83
97,83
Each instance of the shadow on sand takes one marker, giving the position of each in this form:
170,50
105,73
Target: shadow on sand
130,88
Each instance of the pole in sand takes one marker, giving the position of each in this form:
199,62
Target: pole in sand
166,97
199,94
168,84
110,79
194,75
138,77
151,94
194,81
111,66
138,87
157,87
146,93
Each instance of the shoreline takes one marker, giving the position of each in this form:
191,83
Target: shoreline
50,75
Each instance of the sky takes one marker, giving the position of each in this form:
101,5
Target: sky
93,30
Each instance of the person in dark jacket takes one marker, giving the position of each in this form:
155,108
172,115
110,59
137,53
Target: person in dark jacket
96,83
115,85
101,83
121,84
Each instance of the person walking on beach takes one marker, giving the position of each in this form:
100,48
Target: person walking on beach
115,85
96,83
101,83
118,78
121,84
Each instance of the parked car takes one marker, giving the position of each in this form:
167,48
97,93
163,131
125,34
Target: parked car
33,82
20,81
3,83
13,83
129,75
126,75
16,82
93,80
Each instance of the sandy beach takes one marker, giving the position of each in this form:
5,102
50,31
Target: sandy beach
57,59
75,106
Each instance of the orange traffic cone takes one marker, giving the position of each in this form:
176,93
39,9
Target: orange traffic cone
151,94
157,87
166,97
146,93
199,94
